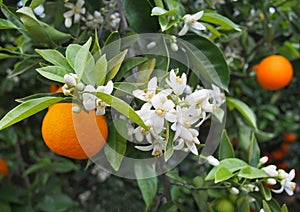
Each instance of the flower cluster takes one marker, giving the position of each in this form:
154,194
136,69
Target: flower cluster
90,101
176,109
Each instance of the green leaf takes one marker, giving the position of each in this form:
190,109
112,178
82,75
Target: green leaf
266,207
112,45
225,148
100,70
35,3
82,58
145,71
138,13
39,95
266,192
254,152
56,202
223,174
71,52
24,65
62,166
27,109
5,24
225,23
243,203
5,206
127,65
40,31
96,50
250,172
232,164
147,186
114,65
54,57
169,147
244,109
55,73
5,56
116,143
284,208
122,107
207,60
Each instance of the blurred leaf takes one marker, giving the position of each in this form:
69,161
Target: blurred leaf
115,148
35,3
5,206
232,164
244,109
127,65
54,57
250,172
207,60
215,18
62,166
81,58
223,174
138,13
254,152
55,73
12,193
284,208
266,192
24,65
121,107
100,70
225,148
148,186
41,31
27,109
5,24
114,65
243,203
158,11
145,71
112,45
56,202
174,175
71,52
168,207
266,206
5,56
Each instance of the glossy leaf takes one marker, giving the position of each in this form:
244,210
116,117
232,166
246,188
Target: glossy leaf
54,73
266,192
114,65
244,109
223,174
250,172
71,52
225,148
81,58
232,164
207,60
116,143
5,24
225,23
27,109
100,70
121,107
40,31
266,206
147,186
254,152
54,57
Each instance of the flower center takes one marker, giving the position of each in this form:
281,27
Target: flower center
179,80
187,124
160,111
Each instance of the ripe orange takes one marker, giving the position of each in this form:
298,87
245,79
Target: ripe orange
274,72
3,168
289,137
74,135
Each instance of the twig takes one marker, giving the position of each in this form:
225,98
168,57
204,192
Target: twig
197,188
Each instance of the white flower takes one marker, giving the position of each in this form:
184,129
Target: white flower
213,161
114,20
217,96
71,80
157,146
191,21
287,184
177,83
271,170
93,21
164,109
76,11
147,95
190,143
234,191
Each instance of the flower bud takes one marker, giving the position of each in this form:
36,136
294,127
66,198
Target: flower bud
213,161
76,109
263,160
80,86
234,191
151,45
70,80
174,47
271,170
271,181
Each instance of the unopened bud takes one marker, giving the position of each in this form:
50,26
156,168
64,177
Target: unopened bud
271,170
151,45
263,160
76,109
271,181
66,90
80,86
213,161
174,47
234,191
70,80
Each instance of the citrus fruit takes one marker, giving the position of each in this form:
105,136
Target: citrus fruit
74,135
3,168
274,72
289,137
225,205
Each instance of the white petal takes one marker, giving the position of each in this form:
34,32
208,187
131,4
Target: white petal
144,148
279,190
186,134
79,3
198,26
152,84
69,5
184,30
198,15
192,148
139,94
90,88
168,105
158,124
68,14
76,18
291,175
89,104
100,111
171,117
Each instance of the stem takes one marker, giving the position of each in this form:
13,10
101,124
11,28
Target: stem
159,3
197,188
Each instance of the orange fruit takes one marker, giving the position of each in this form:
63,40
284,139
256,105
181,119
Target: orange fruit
289,137
274,72
3,168
74,135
